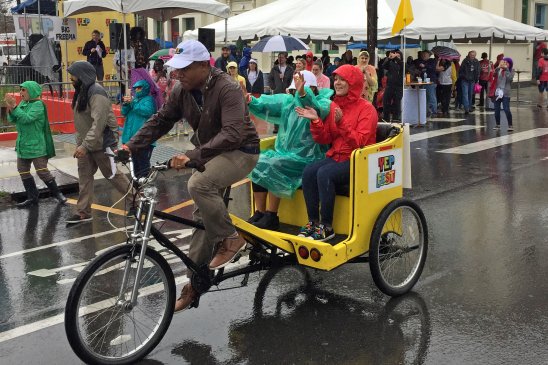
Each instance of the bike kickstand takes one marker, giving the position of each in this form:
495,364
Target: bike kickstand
245,279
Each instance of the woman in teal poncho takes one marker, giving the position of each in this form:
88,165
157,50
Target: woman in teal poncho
278,173
34,144
137,111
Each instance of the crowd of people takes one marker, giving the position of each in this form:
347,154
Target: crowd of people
321,111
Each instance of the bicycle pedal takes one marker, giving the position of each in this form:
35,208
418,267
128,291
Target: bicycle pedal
236,258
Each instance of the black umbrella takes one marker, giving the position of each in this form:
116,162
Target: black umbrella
279,43
446,53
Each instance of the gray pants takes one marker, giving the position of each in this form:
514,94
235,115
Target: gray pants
87,167
206,189
40,165
100,72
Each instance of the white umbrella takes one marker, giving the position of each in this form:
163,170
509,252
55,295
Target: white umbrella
279,43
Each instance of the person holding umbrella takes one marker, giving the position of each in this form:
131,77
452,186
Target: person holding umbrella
280,78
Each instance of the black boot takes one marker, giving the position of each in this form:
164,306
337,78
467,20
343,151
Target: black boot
54,190
32,193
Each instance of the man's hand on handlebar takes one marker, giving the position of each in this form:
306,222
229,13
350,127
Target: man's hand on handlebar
179,162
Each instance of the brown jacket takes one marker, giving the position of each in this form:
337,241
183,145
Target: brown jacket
222,125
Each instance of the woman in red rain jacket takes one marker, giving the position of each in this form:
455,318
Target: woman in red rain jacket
351,124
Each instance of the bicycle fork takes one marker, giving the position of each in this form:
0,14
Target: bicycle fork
138,235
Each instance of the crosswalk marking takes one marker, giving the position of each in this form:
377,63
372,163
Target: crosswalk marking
496,142
446,120
441,132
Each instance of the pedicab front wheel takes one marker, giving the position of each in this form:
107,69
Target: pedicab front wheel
398,247
102,324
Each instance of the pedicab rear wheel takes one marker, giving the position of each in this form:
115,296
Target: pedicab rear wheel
398,247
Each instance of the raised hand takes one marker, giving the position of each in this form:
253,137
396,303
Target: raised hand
308,112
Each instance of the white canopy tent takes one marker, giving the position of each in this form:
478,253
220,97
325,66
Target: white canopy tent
342,19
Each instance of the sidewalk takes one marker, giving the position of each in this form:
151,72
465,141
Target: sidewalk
63,165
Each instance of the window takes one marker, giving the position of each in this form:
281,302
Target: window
189,24
540,15
525,11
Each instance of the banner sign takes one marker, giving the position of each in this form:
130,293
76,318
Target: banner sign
53,27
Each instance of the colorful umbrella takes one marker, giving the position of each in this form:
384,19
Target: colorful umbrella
279,43
162,54
446,53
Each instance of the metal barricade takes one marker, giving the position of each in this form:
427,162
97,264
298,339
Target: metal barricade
57,96
17,74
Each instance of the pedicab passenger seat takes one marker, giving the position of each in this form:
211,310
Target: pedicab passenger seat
384,132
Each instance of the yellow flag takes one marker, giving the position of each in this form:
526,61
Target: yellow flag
404,17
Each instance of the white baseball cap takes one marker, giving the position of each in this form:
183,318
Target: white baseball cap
309,79
188,52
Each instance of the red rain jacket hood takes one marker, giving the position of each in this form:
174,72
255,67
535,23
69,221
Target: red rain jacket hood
358,126
354,77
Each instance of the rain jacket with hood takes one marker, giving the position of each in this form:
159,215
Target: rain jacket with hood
138,111
244,62
280,170
96,127
358,126
309,60
31,121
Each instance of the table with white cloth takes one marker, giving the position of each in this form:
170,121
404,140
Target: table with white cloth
414,103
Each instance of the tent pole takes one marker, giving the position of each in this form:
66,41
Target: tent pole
226,29
125,51
490,46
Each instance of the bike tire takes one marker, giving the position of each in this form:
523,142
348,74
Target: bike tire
156,299
403,246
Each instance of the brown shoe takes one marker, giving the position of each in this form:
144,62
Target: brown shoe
188,295
227,251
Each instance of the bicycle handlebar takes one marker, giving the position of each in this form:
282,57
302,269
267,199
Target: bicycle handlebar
124,157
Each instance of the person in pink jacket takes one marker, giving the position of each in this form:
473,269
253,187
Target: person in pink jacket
323,81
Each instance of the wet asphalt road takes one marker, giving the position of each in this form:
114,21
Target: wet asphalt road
482,298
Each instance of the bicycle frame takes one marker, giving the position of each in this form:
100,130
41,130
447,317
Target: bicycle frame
201,279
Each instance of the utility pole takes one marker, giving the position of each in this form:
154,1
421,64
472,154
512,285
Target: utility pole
372,30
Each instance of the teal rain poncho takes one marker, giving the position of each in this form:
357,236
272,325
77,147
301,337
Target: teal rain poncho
141,108
280,170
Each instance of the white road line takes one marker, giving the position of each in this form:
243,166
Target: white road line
58,319
496,142
441,132
445,120
183,233
66,242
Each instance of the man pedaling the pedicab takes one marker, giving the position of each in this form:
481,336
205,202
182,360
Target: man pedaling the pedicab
226,143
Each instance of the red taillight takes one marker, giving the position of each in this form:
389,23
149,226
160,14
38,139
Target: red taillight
303,252
315,254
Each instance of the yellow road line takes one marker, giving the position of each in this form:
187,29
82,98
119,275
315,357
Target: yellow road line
168,210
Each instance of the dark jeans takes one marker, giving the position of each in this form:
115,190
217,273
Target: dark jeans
445,97
319,181
505,101
141,161
391,102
